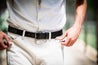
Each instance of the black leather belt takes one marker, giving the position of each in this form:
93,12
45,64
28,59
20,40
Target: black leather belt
40,35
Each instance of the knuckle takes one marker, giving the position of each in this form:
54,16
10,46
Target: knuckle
4,47
4,35
72,39
68,46
66,43
72,45
69,37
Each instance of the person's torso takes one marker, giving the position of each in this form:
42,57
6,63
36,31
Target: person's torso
37,15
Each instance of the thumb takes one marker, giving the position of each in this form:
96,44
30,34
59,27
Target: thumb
7,39
61,37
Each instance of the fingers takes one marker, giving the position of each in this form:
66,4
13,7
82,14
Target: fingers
2,45
7,39
4,41
70,43
62,36
66,42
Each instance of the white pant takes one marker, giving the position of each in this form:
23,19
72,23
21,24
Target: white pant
29,51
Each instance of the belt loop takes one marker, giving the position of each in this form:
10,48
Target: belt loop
23,34
49,35
35,35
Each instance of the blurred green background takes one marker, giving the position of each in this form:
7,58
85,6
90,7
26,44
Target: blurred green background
3,23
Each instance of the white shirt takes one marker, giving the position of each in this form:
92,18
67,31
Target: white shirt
29,15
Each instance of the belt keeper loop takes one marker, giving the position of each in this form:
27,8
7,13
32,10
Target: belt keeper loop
23,34
49,35
35,35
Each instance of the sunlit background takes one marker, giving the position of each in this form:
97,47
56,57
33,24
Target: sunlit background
84,51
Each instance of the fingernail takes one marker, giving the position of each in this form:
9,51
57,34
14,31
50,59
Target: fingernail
10,43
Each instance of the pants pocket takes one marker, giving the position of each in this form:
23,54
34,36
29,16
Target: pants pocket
12,36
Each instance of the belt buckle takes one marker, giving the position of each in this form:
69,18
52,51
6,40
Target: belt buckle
39,35
42,35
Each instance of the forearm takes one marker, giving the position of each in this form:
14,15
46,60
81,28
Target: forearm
80,12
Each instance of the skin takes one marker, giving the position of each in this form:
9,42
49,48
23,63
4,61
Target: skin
2,44
71,34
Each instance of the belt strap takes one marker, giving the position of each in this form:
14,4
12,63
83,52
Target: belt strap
40,35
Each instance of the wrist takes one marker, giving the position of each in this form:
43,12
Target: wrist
77,26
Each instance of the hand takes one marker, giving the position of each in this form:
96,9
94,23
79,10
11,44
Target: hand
2,44
71,36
